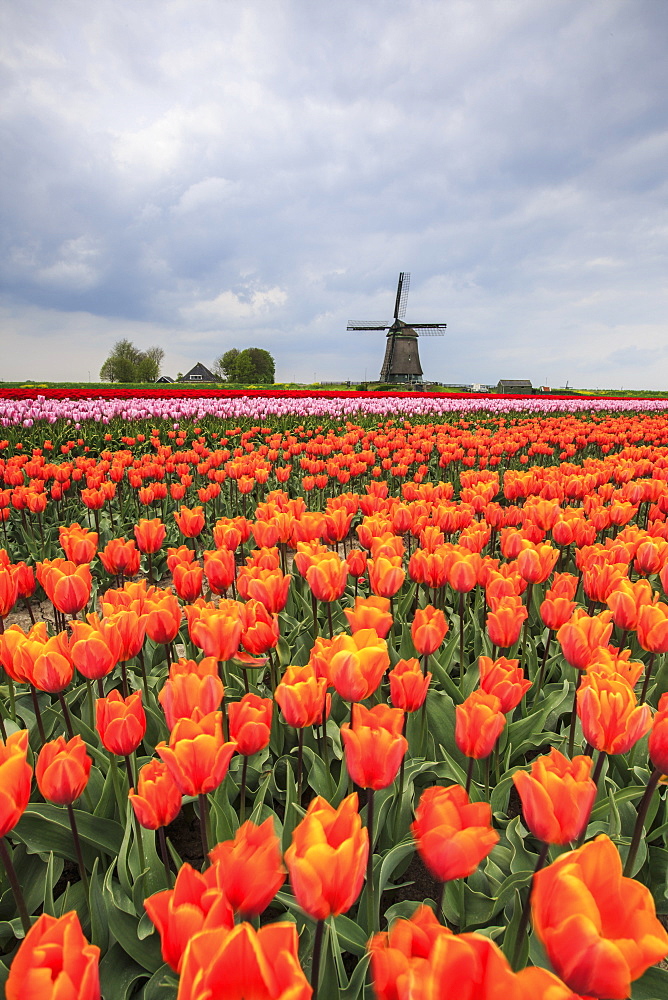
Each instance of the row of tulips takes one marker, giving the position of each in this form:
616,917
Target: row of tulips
24,408
449,611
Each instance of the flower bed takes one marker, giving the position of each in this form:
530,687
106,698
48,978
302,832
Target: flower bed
369,681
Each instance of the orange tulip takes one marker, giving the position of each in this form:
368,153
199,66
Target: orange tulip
658,738
536,562
78,544
66,585
394,952
187,578
47,664
370,612
386,575
96,647
196,754
356,561
121,722
626,601
430,568
327,576
598,928
505,679
249,868
426,962
244,963
356,664
15,778
479,722
269,586
55,962
190,694
374,745
163,617
195,904
302,696
504,624
250,723
557,796
612,721
217,631
582,636
260,628
653,627
62,770
555,611
190,522
452,834
429,629
150,535
327,857
408,685
120,557
220,569
130,629
157,799
462,570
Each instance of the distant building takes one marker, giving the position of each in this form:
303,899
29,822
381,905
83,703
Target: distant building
515,387
164,378
199,373
479,387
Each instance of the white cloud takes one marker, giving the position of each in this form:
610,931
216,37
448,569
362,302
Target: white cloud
230,309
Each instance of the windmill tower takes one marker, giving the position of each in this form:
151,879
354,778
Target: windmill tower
402,360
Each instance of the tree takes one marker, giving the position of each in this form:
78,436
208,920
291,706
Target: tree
127,363
224,365
251,366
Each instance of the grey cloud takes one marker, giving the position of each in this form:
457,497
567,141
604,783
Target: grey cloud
259,173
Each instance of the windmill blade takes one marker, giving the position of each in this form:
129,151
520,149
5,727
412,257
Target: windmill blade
368,324
402,295
429,329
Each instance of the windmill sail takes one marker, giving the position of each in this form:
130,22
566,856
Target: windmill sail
402,360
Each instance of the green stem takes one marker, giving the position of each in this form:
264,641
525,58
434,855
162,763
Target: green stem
242,791
371,921
203,816
77,847
317,952
300,764
640,820
164,854
66,715
6,859
648,674
461,641
526,909
469,774
574,715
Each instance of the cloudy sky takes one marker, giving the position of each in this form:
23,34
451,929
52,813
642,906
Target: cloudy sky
207,174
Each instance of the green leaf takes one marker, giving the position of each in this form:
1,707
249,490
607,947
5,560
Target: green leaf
355,987
54,870
119,974
319,778
124,927
652,986
350,935
99,929
45,827
162,985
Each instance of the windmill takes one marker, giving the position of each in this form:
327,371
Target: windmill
402,360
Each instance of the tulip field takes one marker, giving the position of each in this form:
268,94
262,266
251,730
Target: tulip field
337,695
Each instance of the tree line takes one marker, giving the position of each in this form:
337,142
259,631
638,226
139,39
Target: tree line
126,363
